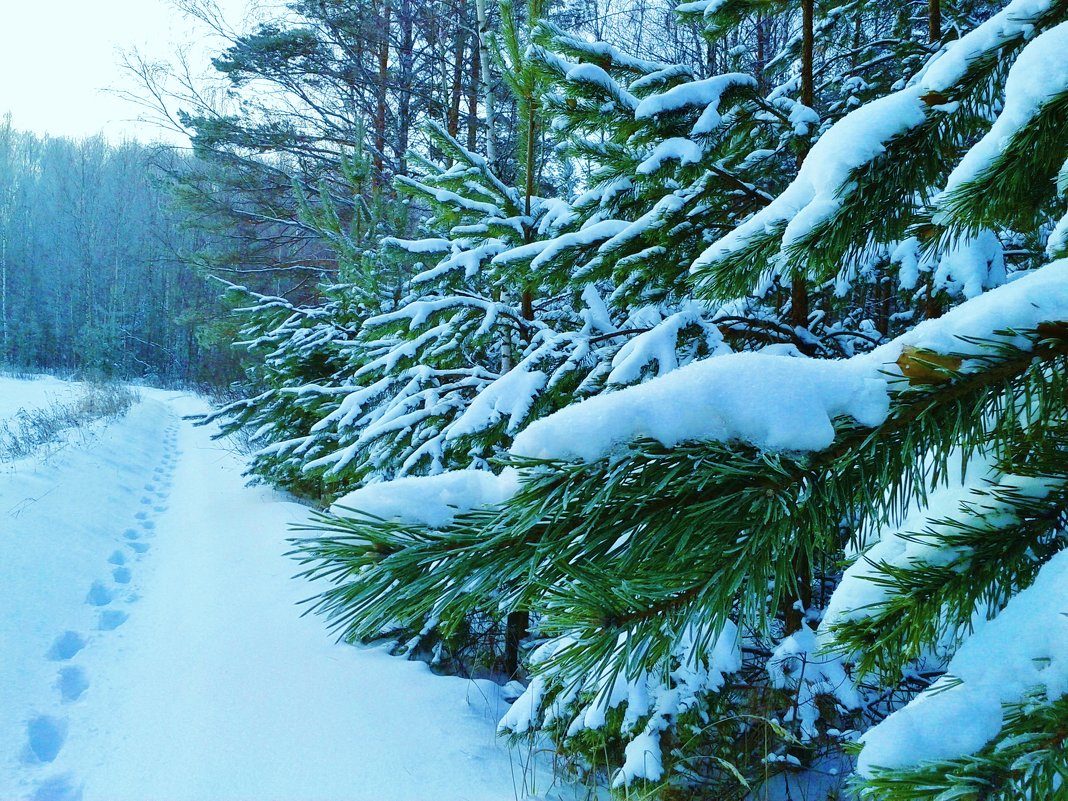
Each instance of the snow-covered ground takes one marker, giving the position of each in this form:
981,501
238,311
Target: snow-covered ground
151,646
40,392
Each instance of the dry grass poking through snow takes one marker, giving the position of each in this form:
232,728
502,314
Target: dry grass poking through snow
32,429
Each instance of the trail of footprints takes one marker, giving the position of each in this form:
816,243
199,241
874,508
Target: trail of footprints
46,733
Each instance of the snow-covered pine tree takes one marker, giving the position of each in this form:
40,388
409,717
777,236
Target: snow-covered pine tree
463,330
860,52
297,351
512,319
669,163
656,529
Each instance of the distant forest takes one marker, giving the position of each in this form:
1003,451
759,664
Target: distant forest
92,276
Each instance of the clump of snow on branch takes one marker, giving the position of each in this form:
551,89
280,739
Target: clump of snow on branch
1023,649
780,402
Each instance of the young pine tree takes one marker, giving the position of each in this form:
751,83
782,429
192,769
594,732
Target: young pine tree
657,531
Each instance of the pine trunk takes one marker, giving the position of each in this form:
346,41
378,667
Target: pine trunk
515,630
798,284
934,20
799,305
472,98
380,96
405,81
487,87
459,44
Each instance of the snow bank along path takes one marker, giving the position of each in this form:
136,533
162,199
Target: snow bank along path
151,646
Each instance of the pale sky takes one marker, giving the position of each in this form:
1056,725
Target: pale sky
57,58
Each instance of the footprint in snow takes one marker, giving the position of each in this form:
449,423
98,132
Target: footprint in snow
58,788
148,525
45,736
132,534
146,500
111,619
141,515
66,645
72,682
150,487
138,547
117,558
159,509
99,595
121,575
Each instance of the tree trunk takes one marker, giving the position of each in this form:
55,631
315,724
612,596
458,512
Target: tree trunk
532,110
515,630
795,612
472,99
378,179
808,26
761,49
487,85
799,307
934,21
4,356
931,307
406,79
459,45
798,284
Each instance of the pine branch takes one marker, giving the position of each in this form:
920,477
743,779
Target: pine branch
1028,759
657,540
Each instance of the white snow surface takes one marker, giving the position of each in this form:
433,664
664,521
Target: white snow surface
780,402
1039,73
814,196
429,500
1022,649
38,392
153,648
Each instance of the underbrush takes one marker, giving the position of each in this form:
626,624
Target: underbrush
33,429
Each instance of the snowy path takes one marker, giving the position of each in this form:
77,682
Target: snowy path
151,648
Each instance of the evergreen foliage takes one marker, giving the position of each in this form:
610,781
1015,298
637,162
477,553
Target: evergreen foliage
734,562
662,569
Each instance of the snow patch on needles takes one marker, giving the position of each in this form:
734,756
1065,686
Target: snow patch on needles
1023,648
780,402
968,266
796,665
815,194
771,401
509,396
948,67
429,500
822,183
685,151
699,669
705,94
1039,74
